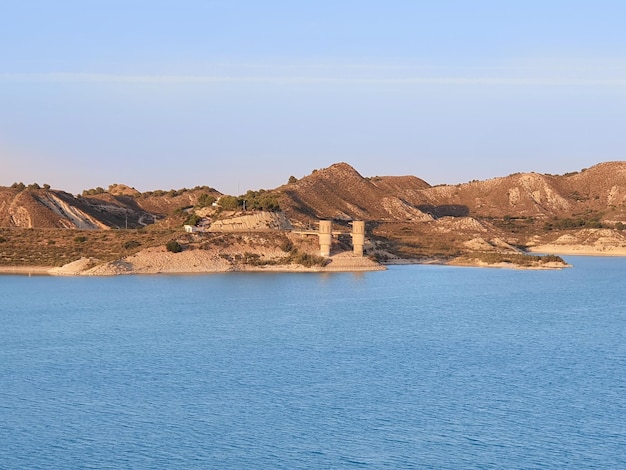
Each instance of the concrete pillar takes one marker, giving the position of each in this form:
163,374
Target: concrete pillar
358,237
325,236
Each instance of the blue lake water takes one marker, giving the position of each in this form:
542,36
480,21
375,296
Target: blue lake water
415,367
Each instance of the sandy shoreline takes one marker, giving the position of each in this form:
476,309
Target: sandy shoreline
27,270
579,250
159,261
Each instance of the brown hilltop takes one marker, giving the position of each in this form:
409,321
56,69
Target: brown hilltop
401,186
339,192
528,194
599,188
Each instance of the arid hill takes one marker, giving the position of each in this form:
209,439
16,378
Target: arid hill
601,188
119,207
341,193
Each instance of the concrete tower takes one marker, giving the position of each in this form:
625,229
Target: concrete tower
358,237
325,236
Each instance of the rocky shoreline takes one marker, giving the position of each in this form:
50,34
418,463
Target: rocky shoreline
159,261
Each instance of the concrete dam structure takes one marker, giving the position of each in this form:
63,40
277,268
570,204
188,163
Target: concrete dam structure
358,237
325,235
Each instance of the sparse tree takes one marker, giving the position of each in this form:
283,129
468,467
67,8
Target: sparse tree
229,203
205,200
193,219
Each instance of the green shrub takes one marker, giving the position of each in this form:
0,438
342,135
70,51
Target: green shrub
307,260
205,200
552,259
193,219
130,244
173,246
80,239
229,203
569,223
261,200
520,259
93,191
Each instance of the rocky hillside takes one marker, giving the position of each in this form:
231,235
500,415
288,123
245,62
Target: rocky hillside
341,193
119,207
601,188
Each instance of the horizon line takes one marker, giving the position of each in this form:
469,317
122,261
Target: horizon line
166,79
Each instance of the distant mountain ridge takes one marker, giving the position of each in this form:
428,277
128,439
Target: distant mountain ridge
340,192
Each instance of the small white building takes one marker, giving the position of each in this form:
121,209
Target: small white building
191,228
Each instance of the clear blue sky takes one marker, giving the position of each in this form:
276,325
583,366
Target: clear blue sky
242,94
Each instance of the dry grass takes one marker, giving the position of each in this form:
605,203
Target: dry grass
517,259
56,247
416,241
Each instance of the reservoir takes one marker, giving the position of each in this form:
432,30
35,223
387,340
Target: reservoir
414,367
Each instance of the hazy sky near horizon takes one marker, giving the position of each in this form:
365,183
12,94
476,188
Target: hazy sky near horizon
241,94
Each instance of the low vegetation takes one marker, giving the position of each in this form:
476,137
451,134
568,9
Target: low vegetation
305,259
261,200
21,186
516,259
56,247
193,219
413,241
590,221
205,200
173,246
93,191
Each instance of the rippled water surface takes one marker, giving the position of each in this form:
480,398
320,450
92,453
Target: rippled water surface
418,366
